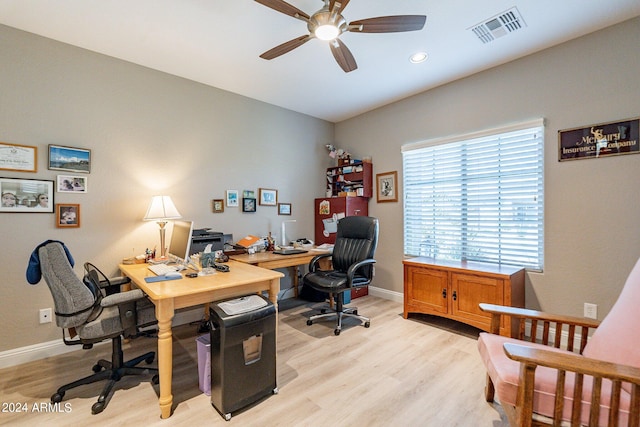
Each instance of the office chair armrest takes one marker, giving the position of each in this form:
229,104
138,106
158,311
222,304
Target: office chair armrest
313,264
122,297
115,281
355,266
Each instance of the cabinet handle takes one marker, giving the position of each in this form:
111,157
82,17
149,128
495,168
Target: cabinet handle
455,296
444,293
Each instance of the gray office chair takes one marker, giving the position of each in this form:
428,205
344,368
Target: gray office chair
352,259
93,310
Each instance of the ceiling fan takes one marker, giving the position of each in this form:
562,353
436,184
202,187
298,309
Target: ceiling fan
328,24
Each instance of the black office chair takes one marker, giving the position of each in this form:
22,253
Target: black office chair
352,259
93,310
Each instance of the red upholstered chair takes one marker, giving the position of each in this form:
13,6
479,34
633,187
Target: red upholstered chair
555,370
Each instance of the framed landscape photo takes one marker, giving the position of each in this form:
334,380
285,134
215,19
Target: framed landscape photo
21,158
217,205
26,195
71,184
268,197
387,186
69,159
248,204
67,215
284,208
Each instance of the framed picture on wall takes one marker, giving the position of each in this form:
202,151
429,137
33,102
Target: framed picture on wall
284,208
248,204
21,158
387,185
217,205
67,215
72,184
26,195
268,197
232,198
69,159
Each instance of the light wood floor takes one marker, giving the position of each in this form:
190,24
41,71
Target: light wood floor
424,371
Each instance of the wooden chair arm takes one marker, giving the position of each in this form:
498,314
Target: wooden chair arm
539,315
572,362
530,358
546,320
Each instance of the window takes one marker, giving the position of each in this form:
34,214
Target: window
477,197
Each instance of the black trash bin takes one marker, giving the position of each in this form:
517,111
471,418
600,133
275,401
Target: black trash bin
243,352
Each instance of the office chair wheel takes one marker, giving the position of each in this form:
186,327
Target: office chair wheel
309,322
57,397
149,360
96,368
336,332
323,310
367,324
97,407
155,379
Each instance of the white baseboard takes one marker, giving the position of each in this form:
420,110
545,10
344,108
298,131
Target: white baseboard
43,350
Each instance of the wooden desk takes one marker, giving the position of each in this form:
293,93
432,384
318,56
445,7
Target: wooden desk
271,261
168,296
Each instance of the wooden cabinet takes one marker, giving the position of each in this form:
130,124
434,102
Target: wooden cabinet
353,180
326,210
454,289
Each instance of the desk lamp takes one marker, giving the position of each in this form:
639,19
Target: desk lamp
161,210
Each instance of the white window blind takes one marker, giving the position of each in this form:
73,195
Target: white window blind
477,198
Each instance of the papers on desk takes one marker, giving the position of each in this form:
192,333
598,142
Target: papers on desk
325,247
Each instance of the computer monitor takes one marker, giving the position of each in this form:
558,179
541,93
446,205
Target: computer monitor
181,239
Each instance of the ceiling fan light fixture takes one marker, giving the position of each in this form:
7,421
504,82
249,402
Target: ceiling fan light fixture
418,57
327,32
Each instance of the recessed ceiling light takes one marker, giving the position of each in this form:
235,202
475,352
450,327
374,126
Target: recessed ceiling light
418,57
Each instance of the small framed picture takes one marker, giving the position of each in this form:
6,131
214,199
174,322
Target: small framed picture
217,205
26,195
268,197
284,208
69,159
249,194
67,215
72,184
248,204
387,186
232,198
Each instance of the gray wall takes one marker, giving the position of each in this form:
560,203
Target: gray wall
149,133
592,236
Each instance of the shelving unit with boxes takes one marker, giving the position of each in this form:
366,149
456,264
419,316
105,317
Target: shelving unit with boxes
350,180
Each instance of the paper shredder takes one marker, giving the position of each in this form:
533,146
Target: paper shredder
243,352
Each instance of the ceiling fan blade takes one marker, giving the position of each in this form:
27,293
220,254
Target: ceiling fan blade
388,24
285,47
284,7
343,55
341,5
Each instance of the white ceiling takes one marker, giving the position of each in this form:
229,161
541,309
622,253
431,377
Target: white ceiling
218,43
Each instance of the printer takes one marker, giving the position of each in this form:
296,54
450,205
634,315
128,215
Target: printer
202,237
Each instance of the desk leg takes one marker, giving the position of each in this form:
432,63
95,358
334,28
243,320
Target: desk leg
274,288
294,279
164,314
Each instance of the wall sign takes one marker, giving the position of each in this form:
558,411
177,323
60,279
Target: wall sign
600,140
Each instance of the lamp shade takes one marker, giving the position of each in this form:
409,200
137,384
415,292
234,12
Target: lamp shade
161,209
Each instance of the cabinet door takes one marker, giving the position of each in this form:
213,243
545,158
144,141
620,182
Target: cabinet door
468,291
426,290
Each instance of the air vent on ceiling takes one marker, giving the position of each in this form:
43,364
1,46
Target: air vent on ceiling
499,25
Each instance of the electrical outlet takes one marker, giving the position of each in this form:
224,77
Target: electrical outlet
590,310
45,315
